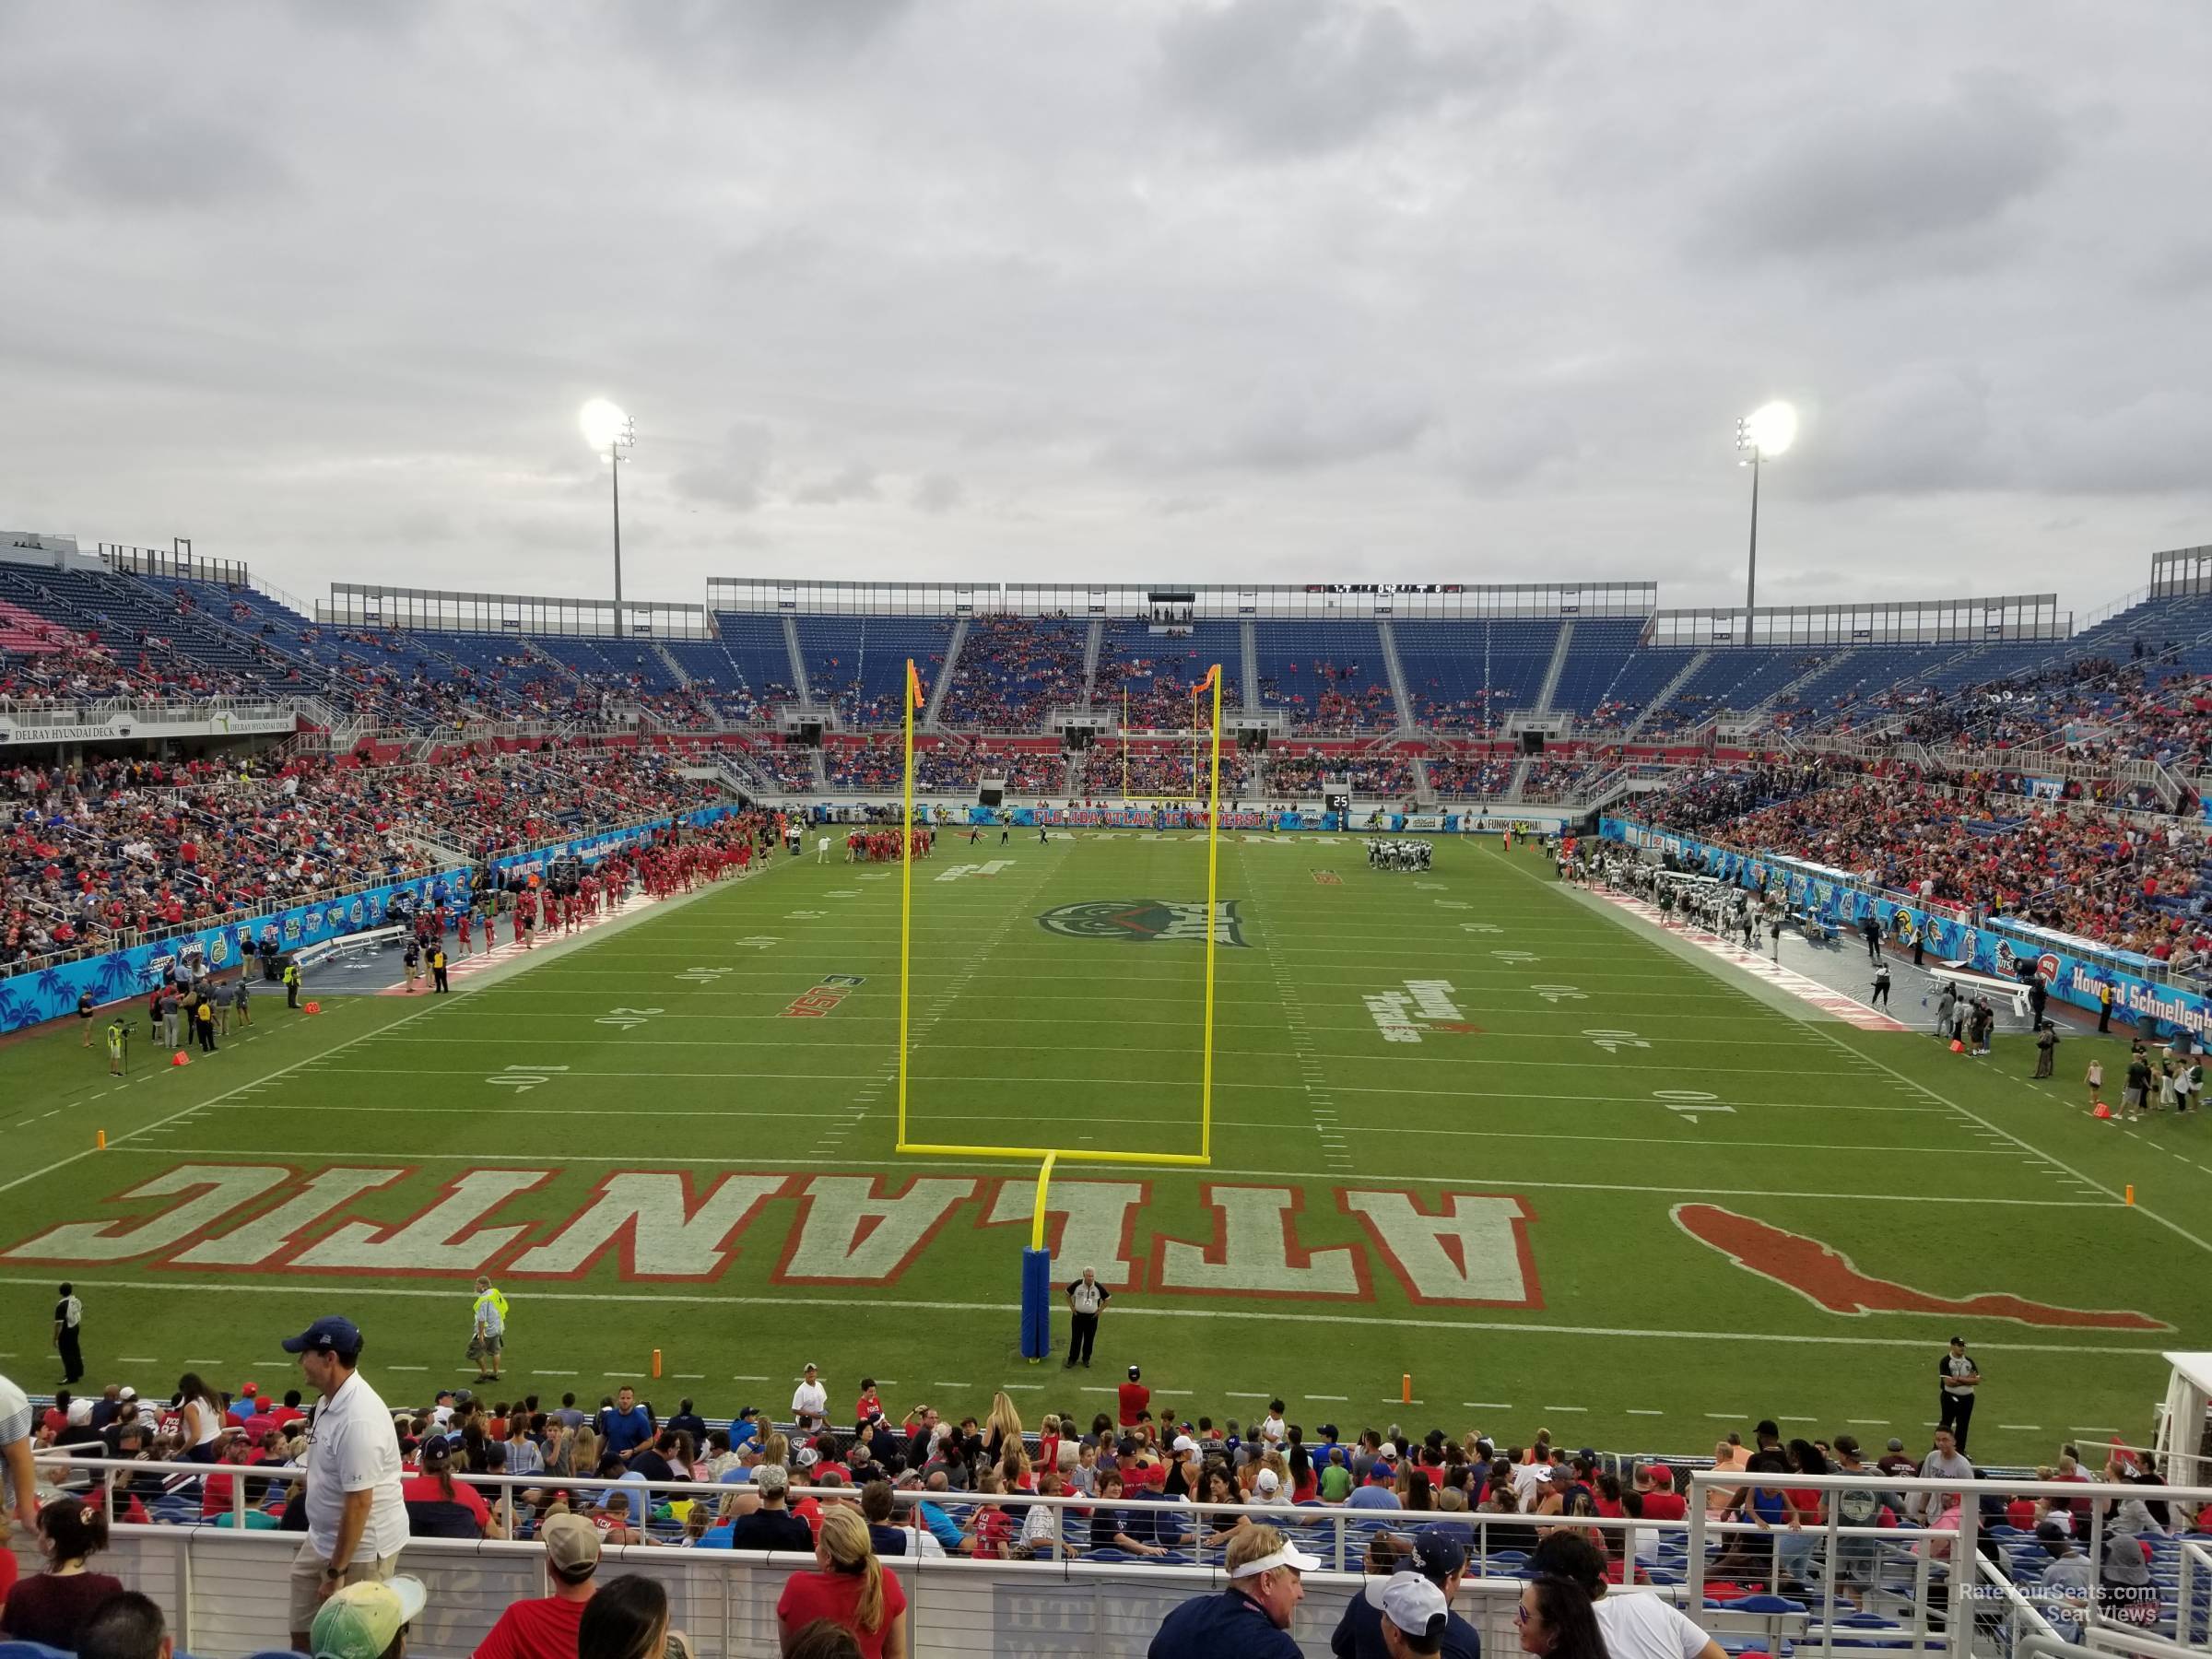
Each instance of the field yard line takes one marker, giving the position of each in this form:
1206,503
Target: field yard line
494,1159
1477,1094
1835,1038
1634,1066
116,1140
2172,1226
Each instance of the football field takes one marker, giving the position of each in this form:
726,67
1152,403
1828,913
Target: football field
1469,1127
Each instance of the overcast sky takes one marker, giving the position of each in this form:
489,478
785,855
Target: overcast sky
1264,290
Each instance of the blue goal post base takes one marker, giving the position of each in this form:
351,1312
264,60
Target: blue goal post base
1036,1303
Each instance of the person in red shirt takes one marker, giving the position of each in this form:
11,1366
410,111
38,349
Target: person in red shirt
850,1588
215,1491
1661,1502
545,1628
1134,1399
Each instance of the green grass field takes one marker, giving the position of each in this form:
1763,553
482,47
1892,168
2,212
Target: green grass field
653,1150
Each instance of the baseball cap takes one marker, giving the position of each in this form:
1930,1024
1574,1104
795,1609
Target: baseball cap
810,1365
1388,1453
125,1393
748,1411
1896,1444
1184,1443
329,1335
807,1457
1439,1553
570,1542
1416,1607
2049,1532
359,1620
1132,1373
247,1391
1847,1443
1268,1483
1540,1471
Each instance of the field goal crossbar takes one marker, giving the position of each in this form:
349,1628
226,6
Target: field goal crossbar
915,700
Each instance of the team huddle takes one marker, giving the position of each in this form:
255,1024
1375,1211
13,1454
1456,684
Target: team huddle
881,846
1398,854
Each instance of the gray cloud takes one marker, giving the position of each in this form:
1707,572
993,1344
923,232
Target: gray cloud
937,492
1354,290
70,155
1303,76
1888,176
851,482
736,476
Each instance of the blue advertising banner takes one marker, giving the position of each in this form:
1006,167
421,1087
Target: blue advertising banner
2075,970
27,999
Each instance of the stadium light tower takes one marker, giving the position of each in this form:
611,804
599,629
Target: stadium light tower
606,428
1763,434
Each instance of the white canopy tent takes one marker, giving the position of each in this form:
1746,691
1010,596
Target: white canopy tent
2182,1430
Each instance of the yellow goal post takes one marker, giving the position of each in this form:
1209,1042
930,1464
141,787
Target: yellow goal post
915,701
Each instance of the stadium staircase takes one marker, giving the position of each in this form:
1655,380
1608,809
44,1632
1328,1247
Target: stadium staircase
1424,791
938,692
1248,669
1827,665
539,653
742,777
1559,667
1398,693
1094,641
676,669
799,687
1698,659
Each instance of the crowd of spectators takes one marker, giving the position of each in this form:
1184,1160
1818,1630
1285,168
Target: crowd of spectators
1108,771
1301,774
1957,842
93,852
1013,670
1349,699
851,1496
1471,776
1149,689
789,765
1475,711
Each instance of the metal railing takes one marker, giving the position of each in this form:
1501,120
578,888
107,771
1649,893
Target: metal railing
1823,1585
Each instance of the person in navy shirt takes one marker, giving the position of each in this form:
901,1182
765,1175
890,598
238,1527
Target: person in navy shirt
624,1428
1251,1619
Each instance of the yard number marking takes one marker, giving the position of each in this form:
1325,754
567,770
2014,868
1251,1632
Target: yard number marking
1689,1103
1559,993
1614,1041
702,976
524,1078
629,1019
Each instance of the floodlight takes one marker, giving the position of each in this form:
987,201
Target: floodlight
1768,430
605,425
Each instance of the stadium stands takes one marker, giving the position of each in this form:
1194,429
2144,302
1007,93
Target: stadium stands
141,847
858,664
1012,669
1465,676
1145,673
1328,675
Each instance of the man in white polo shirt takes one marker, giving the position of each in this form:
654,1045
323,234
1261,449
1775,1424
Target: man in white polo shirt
357,1521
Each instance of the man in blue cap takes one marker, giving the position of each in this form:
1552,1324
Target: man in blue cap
357,1521
1441,1558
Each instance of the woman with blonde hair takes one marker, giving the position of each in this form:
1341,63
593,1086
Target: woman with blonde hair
848,1587
1001,1430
